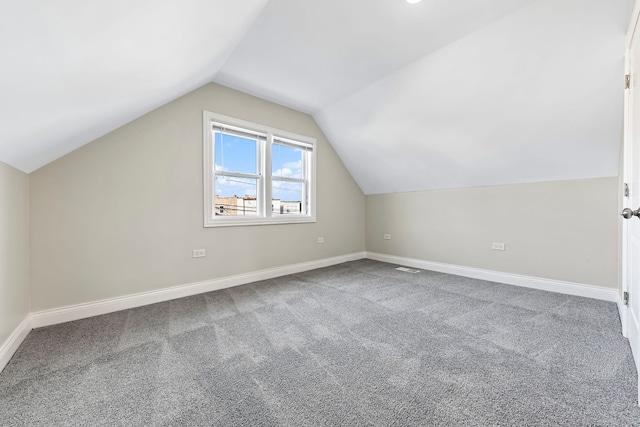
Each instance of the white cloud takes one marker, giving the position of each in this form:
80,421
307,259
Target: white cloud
290,170
285,172
294,165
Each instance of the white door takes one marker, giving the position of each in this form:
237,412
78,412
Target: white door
631,202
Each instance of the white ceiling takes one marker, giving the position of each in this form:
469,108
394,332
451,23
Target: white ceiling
309,55
438,94
535,96
74,70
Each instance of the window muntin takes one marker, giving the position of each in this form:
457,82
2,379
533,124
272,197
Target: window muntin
255,174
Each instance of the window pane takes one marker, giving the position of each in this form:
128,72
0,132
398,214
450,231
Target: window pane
235,154
235,196
286,161
287,198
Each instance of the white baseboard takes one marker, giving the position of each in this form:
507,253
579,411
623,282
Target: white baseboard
10,346
96,308
570,288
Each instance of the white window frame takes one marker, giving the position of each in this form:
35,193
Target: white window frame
264,196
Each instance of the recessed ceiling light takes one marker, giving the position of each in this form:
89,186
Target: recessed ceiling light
413,1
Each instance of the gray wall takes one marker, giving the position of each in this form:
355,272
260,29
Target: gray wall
122,214
14,249
563,230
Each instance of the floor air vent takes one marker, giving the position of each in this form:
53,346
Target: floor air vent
408,270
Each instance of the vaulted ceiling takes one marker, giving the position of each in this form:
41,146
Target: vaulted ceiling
438,94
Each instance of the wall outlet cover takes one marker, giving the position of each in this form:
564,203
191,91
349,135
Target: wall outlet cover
199,253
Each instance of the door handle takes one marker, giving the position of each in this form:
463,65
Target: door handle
628,213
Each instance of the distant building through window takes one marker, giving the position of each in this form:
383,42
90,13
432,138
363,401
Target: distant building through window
235,205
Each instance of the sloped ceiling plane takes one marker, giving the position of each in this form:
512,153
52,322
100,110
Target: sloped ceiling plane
432,95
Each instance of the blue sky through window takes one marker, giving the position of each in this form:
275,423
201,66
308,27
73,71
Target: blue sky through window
237,154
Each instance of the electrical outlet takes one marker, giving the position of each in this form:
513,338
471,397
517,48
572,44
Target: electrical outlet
387,236
320,240
498,247
199,253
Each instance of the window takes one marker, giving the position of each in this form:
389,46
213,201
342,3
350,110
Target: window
256,174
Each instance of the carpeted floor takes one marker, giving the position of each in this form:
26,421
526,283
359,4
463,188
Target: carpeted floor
355,344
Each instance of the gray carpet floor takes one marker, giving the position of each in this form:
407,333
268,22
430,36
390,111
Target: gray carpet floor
357,344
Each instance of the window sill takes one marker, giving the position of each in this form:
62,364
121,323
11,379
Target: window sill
236,222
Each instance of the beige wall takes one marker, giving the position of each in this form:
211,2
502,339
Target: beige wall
564,230
14,249
121,215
